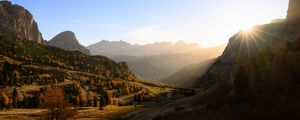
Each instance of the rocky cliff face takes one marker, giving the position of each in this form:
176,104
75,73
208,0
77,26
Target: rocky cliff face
293,15
244,45
67,40
17,21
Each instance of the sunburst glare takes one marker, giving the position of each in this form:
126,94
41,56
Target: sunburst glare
247,27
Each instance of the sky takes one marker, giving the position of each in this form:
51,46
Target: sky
206,22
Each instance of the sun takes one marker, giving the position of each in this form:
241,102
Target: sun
247,27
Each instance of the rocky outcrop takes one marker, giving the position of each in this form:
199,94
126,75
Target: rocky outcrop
293,15
67,40
17,21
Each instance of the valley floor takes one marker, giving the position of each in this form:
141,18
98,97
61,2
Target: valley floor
88,113
110,112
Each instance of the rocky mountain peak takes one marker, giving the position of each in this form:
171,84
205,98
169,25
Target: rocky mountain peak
67,40
17,21
65,36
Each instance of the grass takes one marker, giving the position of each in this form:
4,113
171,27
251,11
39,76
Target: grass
90,113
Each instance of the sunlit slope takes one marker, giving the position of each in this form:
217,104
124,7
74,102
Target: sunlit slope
34,53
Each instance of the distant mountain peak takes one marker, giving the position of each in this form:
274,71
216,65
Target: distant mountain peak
123,48
68,32
65,36
67,40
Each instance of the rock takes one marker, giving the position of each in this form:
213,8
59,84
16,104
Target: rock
67,40
17,21
293,14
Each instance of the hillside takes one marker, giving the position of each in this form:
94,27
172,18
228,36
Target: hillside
244,45
32,53
188,75
68,41
33,67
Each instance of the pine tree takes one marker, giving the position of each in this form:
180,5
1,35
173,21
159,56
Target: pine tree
95,101
102,101
15,97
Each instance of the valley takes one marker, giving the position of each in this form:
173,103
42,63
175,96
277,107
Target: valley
253,76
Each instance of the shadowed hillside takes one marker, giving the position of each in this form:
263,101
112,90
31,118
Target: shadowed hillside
187,77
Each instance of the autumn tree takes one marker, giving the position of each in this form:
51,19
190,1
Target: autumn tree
83,98
4,100
57,106
16,77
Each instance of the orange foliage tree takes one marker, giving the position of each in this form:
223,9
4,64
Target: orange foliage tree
57,106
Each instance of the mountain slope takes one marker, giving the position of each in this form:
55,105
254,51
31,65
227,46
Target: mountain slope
188,76
17,21
244,45
67,40
39,54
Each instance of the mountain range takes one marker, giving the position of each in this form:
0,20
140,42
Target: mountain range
158,60
123,48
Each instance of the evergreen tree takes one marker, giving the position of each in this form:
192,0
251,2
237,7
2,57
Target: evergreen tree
102,101
15,97
139,98
95,101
